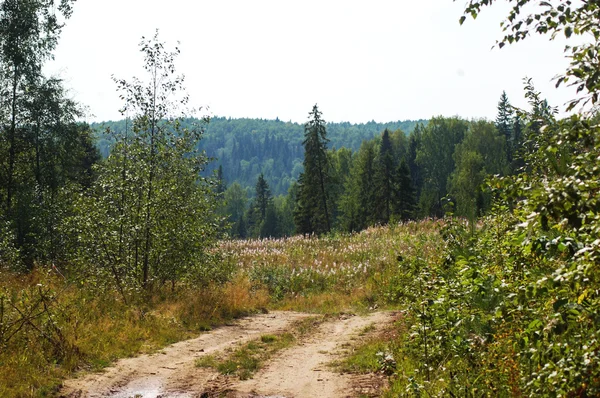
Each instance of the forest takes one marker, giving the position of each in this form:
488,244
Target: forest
261,160
122,237
246,148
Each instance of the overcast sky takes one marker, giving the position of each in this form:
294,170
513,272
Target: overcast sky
378,60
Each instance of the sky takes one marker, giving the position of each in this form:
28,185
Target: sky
359,61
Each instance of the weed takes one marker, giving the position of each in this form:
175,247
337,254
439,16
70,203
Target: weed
247,359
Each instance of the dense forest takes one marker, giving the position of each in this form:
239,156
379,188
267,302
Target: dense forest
378,171
246,148
121,234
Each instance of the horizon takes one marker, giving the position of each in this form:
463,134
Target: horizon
380,61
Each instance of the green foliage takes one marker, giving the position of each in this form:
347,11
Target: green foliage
262,216
434,155
313,206
149,218
357,204
246,148
385,179
235,206
480,154
404,202
44,153
513,309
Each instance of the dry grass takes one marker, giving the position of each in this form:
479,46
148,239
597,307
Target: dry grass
99,329
334,273
86,328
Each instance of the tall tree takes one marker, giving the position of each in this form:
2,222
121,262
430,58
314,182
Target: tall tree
340,161
516,144
384,179
435,156
221,184
358,203
404,202
504,123
416,172
29,31
263,196
235,206
164,220
480,154
259,208
42,149
313,208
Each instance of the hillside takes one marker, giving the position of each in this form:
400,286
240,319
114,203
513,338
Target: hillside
247,147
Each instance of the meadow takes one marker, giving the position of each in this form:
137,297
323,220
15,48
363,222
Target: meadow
52,327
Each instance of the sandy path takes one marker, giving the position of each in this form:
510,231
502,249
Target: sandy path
300,371
167,372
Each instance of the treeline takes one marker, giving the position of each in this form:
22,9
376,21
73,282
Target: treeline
46,157
246,148
439,168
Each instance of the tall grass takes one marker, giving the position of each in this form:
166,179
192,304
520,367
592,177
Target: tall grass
79,330
51,327
336,271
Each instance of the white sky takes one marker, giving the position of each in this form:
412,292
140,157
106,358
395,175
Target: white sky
379,60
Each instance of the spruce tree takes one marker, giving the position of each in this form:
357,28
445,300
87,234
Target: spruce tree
257,214
312,211
367,211
385,179
404,204
263,196
515,144
504,122
416,173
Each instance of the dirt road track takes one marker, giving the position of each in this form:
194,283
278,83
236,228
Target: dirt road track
300,371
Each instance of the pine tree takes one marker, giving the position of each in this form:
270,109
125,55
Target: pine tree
384,179
313,208
259,210
404,194
357,204
504,123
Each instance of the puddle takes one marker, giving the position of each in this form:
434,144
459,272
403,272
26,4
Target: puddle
147,388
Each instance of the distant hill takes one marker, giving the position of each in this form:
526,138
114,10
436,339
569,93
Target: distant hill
247,147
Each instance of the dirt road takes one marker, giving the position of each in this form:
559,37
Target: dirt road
299,371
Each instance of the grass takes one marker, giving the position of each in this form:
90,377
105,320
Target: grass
334,273
87,328
94,330
246,360
364,359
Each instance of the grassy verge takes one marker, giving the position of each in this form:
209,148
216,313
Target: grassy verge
82,331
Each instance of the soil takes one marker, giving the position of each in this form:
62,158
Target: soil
300,371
